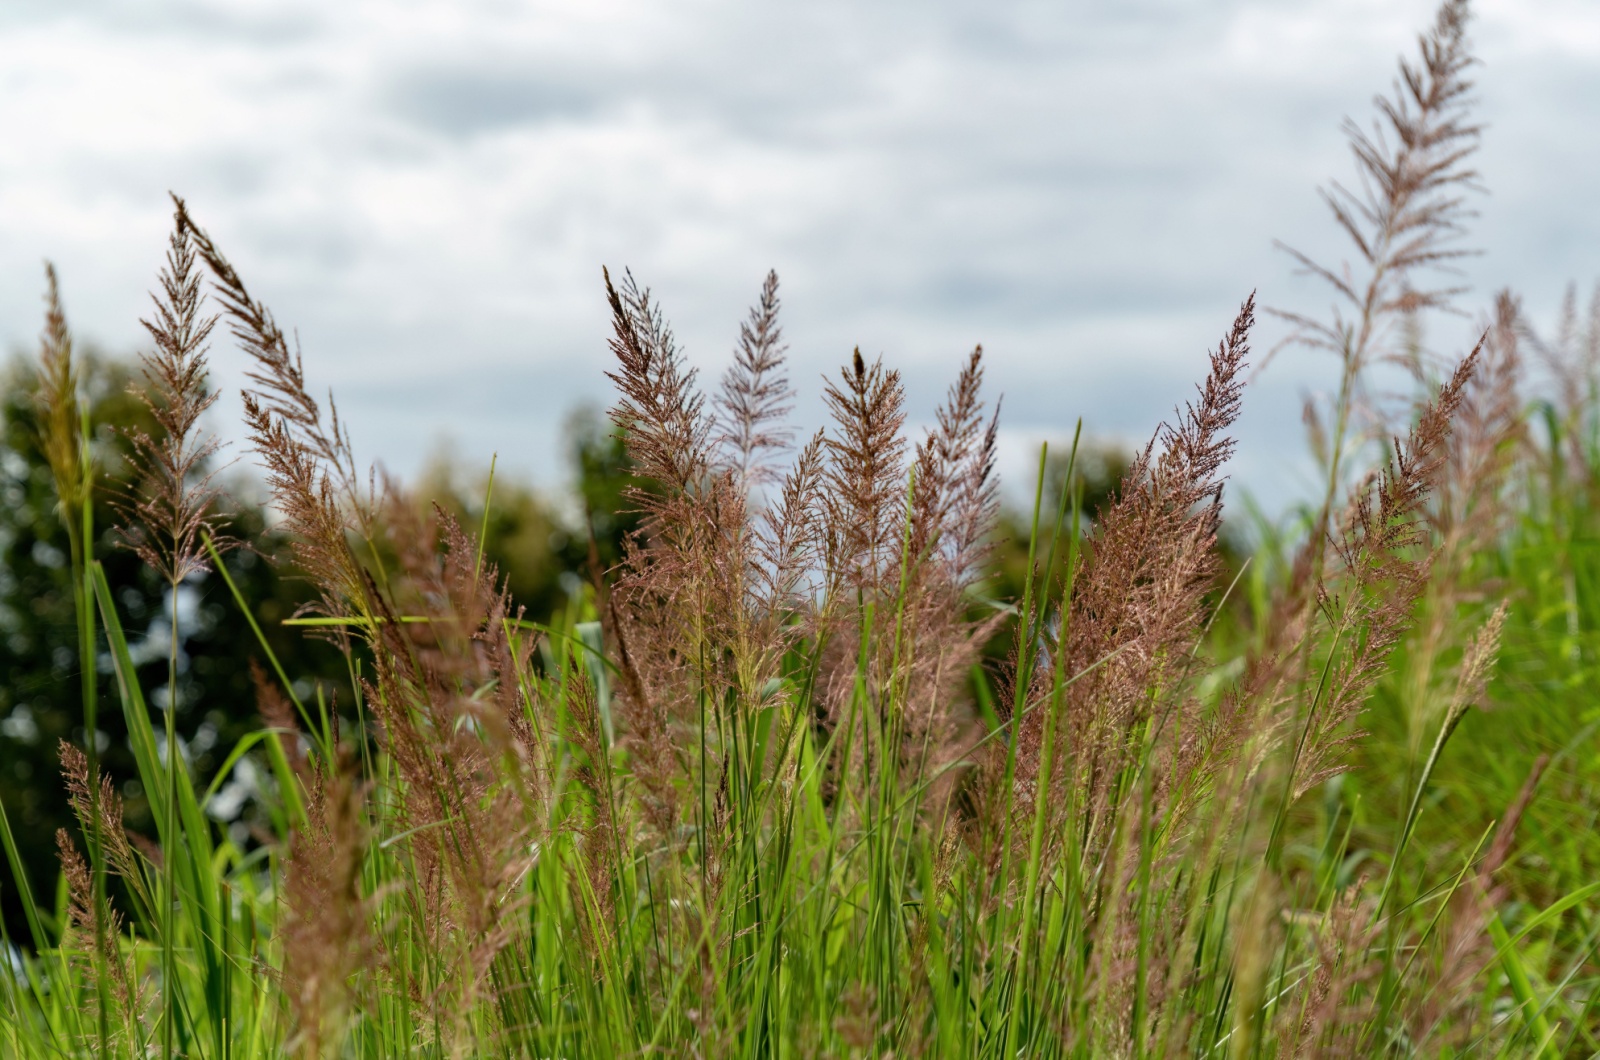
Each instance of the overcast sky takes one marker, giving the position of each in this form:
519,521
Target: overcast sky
426,189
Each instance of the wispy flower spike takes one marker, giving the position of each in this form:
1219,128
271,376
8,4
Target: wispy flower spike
173,505
278,381
957,491
866,474
756,395
1410,212
660,411
57,401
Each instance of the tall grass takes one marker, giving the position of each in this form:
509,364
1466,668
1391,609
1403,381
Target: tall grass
754,792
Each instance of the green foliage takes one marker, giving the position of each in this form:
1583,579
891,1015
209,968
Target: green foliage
40,702
542,551
509,886
540,556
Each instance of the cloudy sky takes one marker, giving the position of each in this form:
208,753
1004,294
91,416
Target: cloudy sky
426,189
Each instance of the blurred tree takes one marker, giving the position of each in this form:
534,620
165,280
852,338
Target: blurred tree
522,537
1097,476
602,474
541,544
40,698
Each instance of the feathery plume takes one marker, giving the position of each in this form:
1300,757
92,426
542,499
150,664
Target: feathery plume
1137,604
1384,561
755,397
789,531
97,922
681,585
279,378
57,402
866,472
1469,511
172,508
308,458
659,412
1410,213
1408,218
326,934
98,804
957,498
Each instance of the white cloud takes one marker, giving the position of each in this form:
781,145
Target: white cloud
427,189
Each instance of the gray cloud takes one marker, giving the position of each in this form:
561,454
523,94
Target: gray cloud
259,24
462,100
427,191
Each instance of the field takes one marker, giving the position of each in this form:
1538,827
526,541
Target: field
832,757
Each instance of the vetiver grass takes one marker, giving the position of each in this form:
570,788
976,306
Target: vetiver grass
754,792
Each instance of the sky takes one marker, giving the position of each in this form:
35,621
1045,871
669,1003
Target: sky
426,190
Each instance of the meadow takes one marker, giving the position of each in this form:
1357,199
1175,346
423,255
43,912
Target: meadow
833,757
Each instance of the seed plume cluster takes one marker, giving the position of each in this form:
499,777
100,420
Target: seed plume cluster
173,509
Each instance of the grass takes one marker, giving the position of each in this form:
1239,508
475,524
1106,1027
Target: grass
755,791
